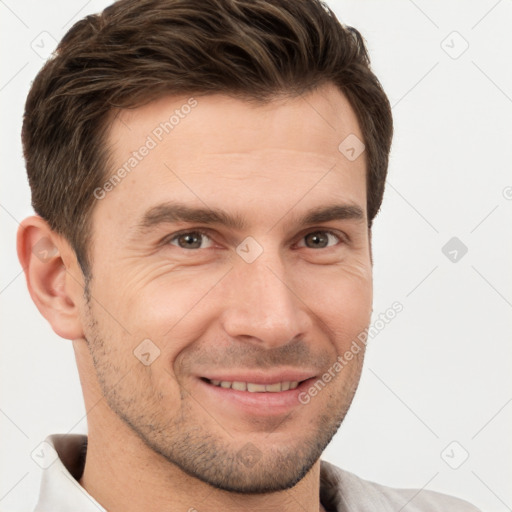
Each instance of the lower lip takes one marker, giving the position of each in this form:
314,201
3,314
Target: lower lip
262,404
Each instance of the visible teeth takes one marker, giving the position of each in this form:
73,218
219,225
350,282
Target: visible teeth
252,387
239,386
255,388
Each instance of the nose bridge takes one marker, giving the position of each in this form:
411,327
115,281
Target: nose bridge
262,305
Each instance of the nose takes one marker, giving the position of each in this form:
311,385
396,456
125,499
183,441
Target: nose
261,305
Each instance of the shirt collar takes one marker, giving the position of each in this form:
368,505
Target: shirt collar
64,458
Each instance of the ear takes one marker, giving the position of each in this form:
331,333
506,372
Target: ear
54,279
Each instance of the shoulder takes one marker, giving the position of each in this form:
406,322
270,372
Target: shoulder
343,491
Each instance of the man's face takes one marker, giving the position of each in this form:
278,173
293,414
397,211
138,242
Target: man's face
269,300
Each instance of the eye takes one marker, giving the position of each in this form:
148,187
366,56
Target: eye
190,239
197,239
320,239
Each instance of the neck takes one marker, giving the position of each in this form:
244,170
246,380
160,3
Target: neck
124,475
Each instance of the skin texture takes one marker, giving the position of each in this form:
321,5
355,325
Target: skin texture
158,429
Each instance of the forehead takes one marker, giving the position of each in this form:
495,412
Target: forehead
229,154
316,122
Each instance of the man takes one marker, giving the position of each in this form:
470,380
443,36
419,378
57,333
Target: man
205,175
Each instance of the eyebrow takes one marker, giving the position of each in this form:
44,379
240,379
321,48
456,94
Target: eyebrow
170,212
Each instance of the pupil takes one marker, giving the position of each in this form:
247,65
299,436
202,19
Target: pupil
191,240
318,239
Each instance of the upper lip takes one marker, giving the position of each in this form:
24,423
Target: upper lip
261,377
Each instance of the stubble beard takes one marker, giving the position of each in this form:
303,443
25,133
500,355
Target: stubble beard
212,455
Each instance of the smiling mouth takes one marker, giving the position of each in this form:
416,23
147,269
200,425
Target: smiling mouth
253,387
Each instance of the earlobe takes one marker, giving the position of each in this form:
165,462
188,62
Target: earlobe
53,277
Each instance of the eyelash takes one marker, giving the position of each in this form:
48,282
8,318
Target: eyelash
175,236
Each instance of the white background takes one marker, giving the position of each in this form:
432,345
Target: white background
440,371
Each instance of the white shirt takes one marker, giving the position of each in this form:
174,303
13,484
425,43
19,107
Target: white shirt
340,491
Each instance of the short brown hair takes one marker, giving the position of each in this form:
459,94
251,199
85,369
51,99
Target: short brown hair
138,50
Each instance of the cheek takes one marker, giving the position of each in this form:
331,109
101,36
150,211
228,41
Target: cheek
173,306
341,298
174,301
151,300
